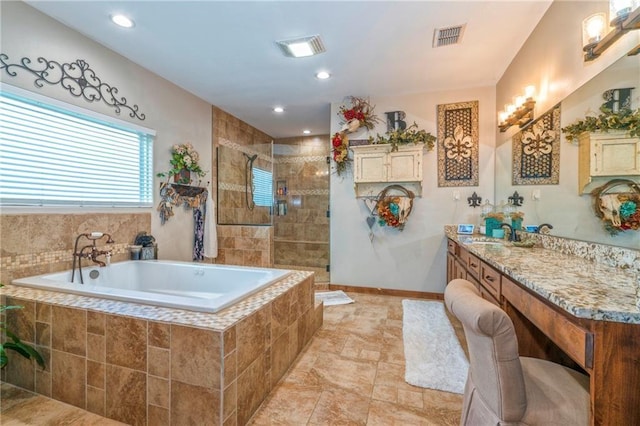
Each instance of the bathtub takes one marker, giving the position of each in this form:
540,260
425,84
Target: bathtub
193,286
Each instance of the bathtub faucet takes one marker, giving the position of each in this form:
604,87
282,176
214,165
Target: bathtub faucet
92,252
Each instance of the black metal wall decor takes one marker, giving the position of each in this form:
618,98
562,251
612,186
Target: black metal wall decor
458,144
516,199
536,151
474,201
76,77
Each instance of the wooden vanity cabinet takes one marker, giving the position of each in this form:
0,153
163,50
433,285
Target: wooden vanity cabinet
605,350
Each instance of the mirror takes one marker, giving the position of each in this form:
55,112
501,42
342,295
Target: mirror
245,184
562,205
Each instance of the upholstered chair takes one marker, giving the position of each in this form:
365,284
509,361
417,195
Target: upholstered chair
503,388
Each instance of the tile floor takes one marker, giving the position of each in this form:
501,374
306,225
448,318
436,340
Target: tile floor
352,373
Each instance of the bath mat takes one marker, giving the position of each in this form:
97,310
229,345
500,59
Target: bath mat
331,298
433,356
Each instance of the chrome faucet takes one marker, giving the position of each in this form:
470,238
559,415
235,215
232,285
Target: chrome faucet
512,233
544,225
92,254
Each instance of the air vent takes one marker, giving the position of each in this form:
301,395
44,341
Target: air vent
448,36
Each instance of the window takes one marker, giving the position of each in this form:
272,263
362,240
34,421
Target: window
263,187
53,153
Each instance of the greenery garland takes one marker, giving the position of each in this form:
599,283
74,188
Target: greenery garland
625,119
404,137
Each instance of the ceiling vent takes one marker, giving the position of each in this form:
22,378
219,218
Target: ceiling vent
448,36
301,47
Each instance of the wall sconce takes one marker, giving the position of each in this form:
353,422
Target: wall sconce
520,112
624,15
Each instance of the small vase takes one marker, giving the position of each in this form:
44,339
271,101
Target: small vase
183,177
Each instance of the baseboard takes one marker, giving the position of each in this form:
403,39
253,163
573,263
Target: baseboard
388,292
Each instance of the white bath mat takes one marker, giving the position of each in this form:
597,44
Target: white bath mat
331,298
433,355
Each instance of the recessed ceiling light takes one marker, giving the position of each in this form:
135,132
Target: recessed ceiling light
278,109
306,132
122,21
322,75
301,47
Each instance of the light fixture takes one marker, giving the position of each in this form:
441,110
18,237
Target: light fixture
278,109
322,75
624,16
520,112
122,21
594,29
301,47
306,132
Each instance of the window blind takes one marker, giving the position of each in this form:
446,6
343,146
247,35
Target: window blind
263,187
53,156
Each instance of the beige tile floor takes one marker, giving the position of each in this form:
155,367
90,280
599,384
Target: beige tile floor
352,373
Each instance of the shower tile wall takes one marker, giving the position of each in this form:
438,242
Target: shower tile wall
239,244
301,236
33,244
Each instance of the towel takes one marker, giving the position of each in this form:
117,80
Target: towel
210,234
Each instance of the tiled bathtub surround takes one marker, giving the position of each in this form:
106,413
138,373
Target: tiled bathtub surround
144,365
34,244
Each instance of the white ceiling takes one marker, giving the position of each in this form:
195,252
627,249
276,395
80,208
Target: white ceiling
225,53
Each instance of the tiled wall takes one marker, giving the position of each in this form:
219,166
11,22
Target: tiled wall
238,244
245,245
33,244
146,372
301,236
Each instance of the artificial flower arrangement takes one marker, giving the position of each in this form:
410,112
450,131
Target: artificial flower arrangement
184,160
340,143
625,119
619,211
404,137
359,114
394,210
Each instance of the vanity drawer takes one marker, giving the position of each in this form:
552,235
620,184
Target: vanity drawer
576,341
471,262
490,280
489,297
452,247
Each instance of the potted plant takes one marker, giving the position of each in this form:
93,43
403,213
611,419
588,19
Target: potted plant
184,160
624,119
15,344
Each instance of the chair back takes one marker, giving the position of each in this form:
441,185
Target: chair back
495,370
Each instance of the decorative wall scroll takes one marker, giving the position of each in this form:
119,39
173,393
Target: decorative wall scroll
536,151
458,144
76,77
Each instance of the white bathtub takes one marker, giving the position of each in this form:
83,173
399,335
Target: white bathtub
184,285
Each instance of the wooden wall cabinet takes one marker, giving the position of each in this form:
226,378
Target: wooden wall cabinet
376,166
602,156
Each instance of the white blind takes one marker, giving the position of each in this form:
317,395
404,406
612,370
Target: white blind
263,187
53,156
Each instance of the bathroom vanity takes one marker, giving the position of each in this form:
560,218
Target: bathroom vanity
567,309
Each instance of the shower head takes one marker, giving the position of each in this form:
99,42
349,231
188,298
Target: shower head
251,158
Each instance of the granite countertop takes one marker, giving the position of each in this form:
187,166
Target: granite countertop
583,288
